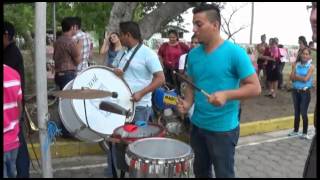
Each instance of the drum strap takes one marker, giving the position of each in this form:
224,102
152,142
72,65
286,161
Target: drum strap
128,62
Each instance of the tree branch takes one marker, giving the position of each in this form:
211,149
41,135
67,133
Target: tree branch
161,16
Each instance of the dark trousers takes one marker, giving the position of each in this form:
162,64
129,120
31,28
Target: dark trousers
171,79
281,67
61,81
310,168
23,159
217,148
301,101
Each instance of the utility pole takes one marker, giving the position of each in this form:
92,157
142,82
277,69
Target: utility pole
54,21
41,87
252,16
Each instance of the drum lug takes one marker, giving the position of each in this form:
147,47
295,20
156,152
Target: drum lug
157,168
151,168
166,171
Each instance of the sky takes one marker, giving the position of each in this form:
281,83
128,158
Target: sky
285,20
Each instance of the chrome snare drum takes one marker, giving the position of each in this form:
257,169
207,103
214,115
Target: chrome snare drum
150,130
159,157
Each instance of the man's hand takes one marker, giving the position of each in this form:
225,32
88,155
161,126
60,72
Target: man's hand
118,72
182,105
218,98
137,96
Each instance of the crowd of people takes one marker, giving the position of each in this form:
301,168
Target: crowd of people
215,65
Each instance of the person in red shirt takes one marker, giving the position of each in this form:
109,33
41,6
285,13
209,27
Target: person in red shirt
12,108
169,55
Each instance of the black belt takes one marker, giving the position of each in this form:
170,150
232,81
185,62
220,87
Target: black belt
62,73
302,90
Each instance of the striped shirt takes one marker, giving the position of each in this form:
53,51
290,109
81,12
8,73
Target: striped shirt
85,51
12,94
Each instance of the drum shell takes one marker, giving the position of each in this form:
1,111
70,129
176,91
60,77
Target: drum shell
121,147
178,165
72,123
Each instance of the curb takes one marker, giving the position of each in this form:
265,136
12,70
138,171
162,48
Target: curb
70,148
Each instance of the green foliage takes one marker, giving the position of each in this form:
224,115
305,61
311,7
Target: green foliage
94,15
21,15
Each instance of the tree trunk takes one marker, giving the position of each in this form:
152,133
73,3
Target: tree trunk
121,11
29,42
152,22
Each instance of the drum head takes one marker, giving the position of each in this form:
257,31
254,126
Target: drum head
102,78
160,148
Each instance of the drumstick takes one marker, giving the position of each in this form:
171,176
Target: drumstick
114,108
192,84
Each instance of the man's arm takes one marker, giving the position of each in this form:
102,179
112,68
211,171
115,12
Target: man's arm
76,52
250,87
157,80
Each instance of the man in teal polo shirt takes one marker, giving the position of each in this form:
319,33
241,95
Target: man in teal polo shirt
217,66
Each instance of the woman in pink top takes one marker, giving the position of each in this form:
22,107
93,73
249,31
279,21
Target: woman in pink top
12,96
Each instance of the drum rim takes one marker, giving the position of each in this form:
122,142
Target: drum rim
189,155
162,133
110,70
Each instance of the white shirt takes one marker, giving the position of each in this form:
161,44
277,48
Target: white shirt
182,61
140,70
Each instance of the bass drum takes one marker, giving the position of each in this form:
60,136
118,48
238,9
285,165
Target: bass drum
89,123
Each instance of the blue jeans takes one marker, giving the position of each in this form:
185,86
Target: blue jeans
301,101
61,81
9,163
217,148
141,114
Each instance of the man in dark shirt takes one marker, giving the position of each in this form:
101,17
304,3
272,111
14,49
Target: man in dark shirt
66,57
66,53
13,58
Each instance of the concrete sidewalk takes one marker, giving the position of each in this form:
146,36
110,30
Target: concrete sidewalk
266,155
70,148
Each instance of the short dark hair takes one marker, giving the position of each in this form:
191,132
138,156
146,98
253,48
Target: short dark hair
132,28
78,21
8,28
67,23
175,32
212,11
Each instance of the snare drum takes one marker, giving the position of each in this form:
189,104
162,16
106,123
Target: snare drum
95,124
151,130
159,157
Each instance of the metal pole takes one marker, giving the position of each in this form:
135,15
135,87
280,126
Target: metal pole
41,87
54,21
252,16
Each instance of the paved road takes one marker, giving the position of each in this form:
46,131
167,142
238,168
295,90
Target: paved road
269,155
